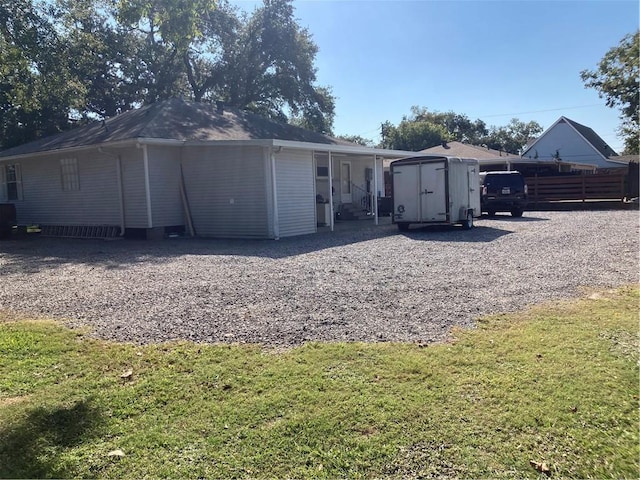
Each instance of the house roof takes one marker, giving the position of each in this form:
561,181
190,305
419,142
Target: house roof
464,150
177,120
592,137
627,158
587,133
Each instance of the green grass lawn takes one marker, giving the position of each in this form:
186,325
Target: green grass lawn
557,385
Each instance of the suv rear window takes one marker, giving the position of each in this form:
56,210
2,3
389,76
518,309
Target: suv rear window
499,180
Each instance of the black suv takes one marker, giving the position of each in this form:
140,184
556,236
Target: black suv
503,192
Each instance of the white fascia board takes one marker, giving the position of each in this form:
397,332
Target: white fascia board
56,151
337,148
158,141
317,147
228,143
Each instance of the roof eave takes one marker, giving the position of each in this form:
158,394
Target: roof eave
337,148
57,151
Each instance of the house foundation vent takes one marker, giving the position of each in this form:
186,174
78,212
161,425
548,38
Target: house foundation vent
74,231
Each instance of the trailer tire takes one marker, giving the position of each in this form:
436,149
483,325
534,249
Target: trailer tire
403,227
468,223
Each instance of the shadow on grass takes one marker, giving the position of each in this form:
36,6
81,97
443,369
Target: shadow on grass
31,447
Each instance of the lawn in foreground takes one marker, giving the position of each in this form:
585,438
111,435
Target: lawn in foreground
556,385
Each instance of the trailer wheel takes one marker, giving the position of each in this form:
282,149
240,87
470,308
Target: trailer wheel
403,227
468,223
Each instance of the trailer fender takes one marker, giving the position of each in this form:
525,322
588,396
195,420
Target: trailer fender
465,211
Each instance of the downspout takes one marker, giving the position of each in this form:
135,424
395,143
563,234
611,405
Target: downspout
331,220
276,222
147,183
375,190
185,200
118,159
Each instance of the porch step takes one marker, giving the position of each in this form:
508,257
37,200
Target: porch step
349,211
78,231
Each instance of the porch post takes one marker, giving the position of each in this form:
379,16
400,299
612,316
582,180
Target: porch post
375,190
332,216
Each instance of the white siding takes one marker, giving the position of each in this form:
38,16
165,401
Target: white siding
226,189
45,202
164,181
570,146
135,200
295,185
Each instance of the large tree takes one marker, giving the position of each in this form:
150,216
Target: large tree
412,135
513,137
265,63
616,80
69,61
36,95
423,129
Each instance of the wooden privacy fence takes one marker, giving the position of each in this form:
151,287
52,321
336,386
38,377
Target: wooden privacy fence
577,187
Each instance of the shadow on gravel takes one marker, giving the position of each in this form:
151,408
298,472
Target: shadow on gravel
39,254
456,234
509,218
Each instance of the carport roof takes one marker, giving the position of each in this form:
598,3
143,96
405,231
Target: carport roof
179,121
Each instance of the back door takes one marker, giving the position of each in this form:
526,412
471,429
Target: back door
406,188
433,192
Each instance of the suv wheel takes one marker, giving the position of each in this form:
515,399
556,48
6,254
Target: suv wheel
517,212
491,213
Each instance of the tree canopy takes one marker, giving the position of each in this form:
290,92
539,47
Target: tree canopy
616,80
423,129
65,62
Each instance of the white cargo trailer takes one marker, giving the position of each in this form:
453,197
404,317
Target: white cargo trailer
435,190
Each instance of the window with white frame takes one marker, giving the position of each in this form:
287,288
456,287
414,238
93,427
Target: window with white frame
69,174
12,182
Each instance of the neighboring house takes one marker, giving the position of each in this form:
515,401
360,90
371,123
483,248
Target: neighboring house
177,164
491,159
570,141
465,150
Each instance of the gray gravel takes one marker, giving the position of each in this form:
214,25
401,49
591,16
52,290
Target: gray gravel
365,284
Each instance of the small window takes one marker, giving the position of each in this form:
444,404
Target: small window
13,182
69,173
322,172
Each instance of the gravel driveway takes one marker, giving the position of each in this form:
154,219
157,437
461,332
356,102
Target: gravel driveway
369,284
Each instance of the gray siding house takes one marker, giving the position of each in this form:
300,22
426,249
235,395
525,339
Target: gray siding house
178,164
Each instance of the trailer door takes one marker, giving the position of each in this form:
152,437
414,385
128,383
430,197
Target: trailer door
405,187
433,194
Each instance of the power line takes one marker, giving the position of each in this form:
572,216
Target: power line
542,111
516,113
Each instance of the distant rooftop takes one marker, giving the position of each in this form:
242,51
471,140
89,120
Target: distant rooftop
465,150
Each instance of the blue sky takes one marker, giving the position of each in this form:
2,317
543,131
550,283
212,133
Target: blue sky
492,60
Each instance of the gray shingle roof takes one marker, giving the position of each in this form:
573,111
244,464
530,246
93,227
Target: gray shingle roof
592,137
465,150
175,119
